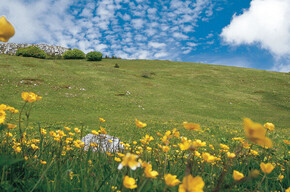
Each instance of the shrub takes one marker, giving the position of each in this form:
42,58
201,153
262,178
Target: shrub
31,51
94,56
74,54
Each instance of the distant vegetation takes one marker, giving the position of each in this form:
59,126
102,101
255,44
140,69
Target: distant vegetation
74,54
36,52
31,51
94,56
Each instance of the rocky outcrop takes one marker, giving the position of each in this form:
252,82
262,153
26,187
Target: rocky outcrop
11,48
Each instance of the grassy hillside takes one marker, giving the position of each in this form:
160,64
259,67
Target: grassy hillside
217,97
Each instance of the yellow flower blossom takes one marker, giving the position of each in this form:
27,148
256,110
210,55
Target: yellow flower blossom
225,147
191,184
208,157
280,177
30,97
286,142
149,173
117,159
231,155
129,182
129,160
102,120
140,124
77,130
237,175
256,133
43,131
103,130
171,180
191,126
198,143
269,126
267,167
67,128
43,162
6,29
165,149
94,132
185,145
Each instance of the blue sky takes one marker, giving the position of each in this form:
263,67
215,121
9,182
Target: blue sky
243,33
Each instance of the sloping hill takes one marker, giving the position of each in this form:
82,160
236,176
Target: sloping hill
160,93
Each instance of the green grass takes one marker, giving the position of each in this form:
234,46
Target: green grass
163,94
217,97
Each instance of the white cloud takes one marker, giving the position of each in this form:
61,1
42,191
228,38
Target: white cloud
156,44
160,55
266,23
137,23
180,35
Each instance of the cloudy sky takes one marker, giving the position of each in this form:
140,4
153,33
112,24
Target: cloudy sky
243,33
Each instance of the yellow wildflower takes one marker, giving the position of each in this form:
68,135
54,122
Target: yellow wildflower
17,149
267,167
256,133
149,173
103,130
9,134
77,130
185,145
129,182
117,159
191,126
43,162
269,126
286,142
231,155
171,180
225,147
6,29
67,128
237,175
140,124
94,132
280,177
129,160
102,120
208,157
43,131
30,97
191,184
165,149
198,143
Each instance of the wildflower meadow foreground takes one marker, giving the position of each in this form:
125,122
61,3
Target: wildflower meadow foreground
34,158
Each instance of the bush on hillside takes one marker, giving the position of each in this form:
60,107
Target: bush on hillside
74,54
94,56
31,51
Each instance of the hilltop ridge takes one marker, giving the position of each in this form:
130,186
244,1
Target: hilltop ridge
11,48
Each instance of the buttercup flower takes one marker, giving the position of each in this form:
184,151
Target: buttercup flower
129,182
30,97
171,180
269,126
191,184
256,133
129,160
140,124
267,167
191,126
237,175
102,120
6,29
149,173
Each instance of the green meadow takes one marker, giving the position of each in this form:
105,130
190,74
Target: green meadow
225,153
160,93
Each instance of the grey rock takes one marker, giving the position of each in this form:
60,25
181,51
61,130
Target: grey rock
103,142
11,48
